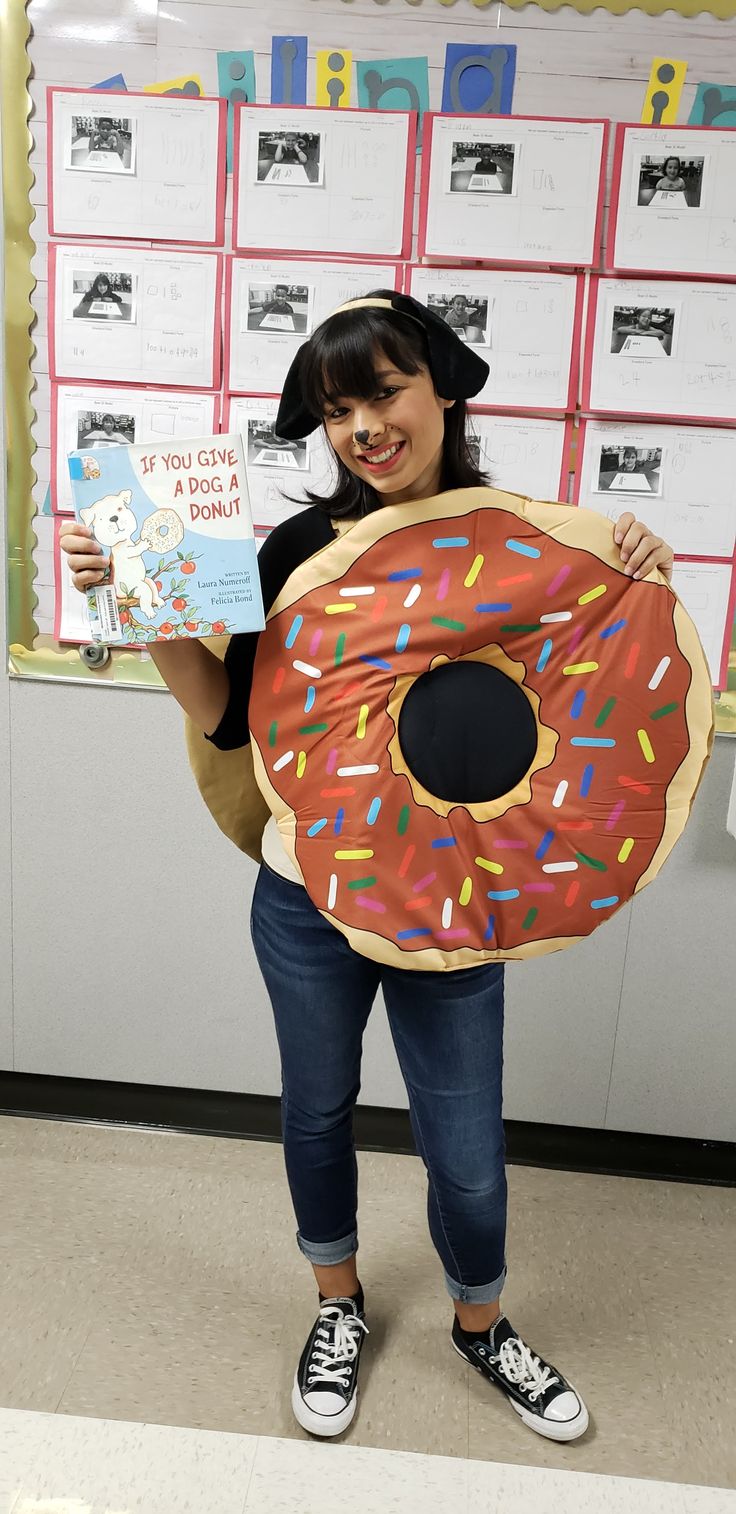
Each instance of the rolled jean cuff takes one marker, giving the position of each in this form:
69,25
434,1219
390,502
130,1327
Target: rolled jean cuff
328,1253
485,1293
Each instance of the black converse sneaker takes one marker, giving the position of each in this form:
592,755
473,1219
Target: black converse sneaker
539,1393
325,1393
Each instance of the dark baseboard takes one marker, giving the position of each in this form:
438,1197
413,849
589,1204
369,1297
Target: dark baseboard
257,1117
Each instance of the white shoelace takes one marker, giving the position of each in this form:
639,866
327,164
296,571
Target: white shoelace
521,1367
324,1365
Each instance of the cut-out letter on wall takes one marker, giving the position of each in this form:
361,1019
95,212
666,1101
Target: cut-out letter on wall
288,70
236,83
662,99
334,68
479,80
116,82
186,84
394,84
714,105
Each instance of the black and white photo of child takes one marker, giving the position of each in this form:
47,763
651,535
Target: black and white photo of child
266,450
630,470
469,315
473,445
102,143
483,168
279,307
290,158
104,297
669,182
100,428
642,331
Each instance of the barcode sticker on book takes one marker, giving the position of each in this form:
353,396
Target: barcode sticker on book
105,620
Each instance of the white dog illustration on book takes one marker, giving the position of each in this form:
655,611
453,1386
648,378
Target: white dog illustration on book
114,525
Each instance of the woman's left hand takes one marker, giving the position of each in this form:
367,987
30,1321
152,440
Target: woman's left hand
641,550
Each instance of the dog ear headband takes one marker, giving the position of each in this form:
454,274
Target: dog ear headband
457,371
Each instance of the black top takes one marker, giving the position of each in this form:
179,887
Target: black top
284,549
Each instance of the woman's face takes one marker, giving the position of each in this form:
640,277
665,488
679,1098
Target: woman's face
394,439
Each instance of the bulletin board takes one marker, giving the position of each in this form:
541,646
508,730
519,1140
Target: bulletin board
506,77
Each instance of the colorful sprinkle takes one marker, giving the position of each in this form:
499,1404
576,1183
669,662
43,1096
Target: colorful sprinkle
595,593
331,762
339,609
293,631
575,825
306,667
301,763
361,727
403,820
559,579
631,783
618,625
412,596
348,691
314,643
559,867
556,615
424,882
452,935
659,673
572,893
339,819
604,903
404,573
664,709
586,780
466,892
544,845
532,626
407,935
444,841
577,705
352,856
368,903
646,746
518,578
374,811
604,712
449,625
354,593
615,814
371,767
343,793
279,677
283,762
504,893
600,867
340,648
476,566
311,696
559,793
407,860
529,918
521,547
632,659
362,883
310,730
451,541
422,903
332,895
581,667
544,655
490,928
272,732
490,867
575,639
402,640
539,888
379,607
592,741
447,914
491,609
626,849
318,826
377,662
443,584
517,845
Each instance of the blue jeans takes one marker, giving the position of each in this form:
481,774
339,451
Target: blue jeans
447,1028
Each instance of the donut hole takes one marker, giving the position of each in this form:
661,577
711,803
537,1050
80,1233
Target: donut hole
467,732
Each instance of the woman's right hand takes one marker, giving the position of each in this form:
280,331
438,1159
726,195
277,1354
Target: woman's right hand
86,559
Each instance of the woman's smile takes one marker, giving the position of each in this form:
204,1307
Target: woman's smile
382,457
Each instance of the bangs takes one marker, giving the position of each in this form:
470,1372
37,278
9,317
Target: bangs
341,360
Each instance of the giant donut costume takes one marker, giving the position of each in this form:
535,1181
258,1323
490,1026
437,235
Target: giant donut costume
528,604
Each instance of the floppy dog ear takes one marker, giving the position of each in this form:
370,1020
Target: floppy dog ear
294,420
126,495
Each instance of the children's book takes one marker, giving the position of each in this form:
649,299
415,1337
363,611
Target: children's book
175,521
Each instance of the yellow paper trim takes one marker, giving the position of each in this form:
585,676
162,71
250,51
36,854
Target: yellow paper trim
723,9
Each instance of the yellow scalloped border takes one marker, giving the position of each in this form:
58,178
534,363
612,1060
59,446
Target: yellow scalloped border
724,10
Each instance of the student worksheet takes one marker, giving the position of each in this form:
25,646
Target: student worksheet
680,479
308,179
128,164
660,347
279,471
94,416
273,305
521,189
673,201
525,326
134,317
705,589
522,454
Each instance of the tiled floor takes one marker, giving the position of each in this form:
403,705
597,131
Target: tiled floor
153,1306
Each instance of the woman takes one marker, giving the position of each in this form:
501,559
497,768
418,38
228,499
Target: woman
388,381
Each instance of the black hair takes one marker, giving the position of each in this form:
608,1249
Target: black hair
340,359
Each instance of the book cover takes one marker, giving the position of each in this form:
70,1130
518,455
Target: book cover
175,521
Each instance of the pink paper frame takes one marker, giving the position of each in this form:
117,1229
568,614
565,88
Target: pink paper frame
428,128
569,423
328,253
577,327
219,237
623,269
85,384
172,252
282,257
596,280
